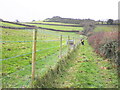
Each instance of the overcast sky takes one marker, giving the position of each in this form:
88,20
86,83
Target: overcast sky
28,10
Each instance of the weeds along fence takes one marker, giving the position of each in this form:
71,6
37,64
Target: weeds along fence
27,54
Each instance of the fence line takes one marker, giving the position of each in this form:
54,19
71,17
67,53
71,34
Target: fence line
35,27
27,41
34,57
27,66
29,80
15,56
26,54
52,33
44,31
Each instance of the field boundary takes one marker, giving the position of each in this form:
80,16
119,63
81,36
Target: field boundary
38,28
63,51
47,79
57,24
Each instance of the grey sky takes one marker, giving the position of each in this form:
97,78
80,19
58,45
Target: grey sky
28,10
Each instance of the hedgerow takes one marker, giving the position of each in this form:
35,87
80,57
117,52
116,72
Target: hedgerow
106,44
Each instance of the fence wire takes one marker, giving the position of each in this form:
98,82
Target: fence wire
27,53
8,81
28,41
12,76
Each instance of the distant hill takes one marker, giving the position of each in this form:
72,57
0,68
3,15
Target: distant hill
68,20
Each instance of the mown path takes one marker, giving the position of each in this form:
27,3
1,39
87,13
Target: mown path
87,70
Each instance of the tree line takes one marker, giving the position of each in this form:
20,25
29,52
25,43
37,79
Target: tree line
80,21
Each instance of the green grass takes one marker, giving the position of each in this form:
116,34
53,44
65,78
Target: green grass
17,71
53,23
23,76
10,25
85,71
59,27
10,48
106,28
44,26
90,74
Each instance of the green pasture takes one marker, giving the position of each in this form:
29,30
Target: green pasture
53,23
44,26
19,42
58,27
86,65
86,69
10,24
106,28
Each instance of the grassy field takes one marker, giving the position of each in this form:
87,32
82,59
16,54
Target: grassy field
106,28
58,27
9,24
53,23
17,53
87,70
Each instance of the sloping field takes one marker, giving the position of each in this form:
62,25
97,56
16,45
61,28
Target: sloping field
106,28
83,68
59,27
17,53
13,25
57,24
87,70
53,23
10,24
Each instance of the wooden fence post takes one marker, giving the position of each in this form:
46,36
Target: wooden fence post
34,53
61,46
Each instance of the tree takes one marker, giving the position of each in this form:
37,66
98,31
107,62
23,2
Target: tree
110,21
17,21
33,20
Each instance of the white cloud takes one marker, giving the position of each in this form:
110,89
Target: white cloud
27,10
